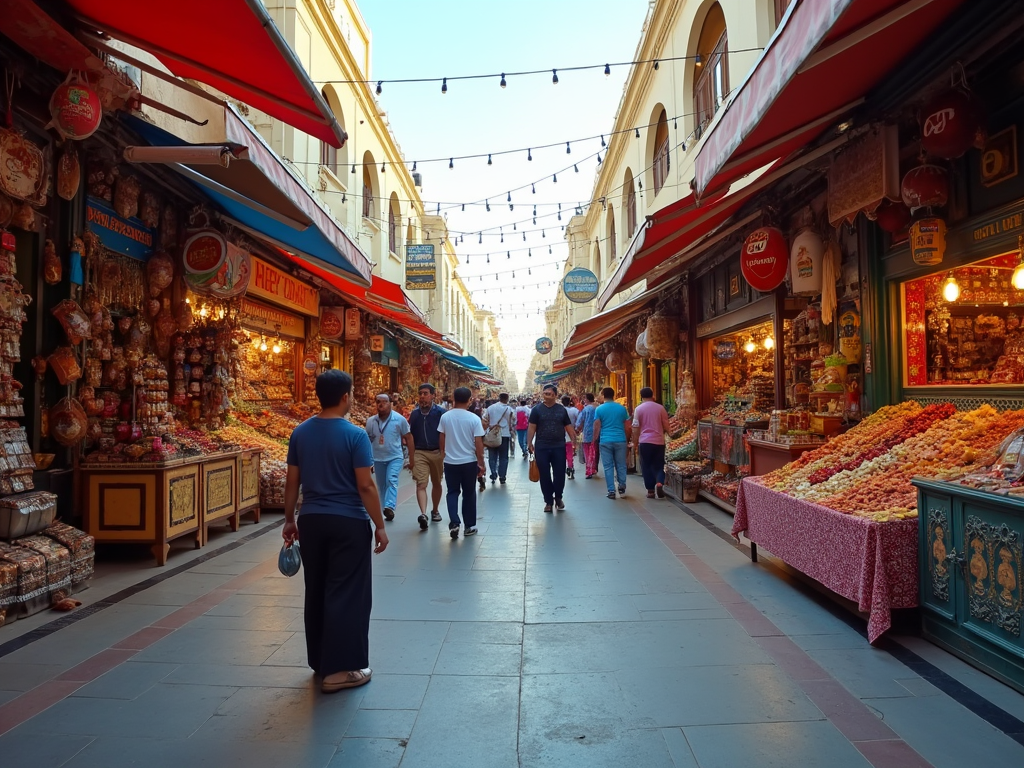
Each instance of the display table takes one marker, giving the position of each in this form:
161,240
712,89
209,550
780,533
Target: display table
767,456
873,564
155,503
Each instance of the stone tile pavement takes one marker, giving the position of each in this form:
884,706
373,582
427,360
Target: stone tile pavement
616,633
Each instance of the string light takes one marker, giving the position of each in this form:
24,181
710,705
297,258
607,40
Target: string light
529,155
554,76
502,83
379,88
444,85
607,70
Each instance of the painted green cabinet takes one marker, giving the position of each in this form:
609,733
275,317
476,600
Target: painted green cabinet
970,564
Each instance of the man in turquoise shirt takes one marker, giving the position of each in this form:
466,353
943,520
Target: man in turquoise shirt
612,431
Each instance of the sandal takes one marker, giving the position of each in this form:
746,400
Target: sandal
343,680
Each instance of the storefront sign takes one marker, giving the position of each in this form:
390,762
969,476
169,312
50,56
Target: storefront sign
545,345
999,158
310,364
998,226
580,285
215,267
864,174
128,236
764,259
269,282
420,268
266,319
376,343
332,323
353,324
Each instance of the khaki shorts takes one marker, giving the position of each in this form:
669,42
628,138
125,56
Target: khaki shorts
429,465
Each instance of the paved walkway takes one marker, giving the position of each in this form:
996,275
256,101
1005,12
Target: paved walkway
617,633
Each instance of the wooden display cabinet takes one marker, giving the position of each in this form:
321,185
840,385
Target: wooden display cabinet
220,494
249,484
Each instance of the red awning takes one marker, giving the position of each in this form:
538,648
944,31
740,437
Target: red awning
231,45
383,298
823,60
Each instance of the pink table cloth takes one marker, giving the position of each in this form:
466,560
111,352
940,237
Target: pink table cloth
873,564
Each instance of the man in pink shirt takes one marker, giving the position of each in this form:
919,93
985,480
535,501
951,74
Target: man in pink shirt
651,419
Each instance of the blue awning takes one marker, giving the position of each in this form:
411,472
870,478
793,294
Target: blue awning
468,362
261,194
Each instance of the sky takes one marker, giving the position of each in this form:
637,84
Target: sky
452,38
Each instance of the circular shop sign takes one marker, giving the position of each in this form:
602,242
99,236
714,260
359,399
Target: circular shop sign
580,285
545,345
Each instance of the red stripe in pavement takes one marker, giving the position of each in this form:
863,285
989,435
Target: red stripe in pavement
882,747
31,703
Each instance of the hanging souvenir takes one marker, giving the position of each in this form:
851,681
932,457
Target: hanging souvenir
149,210
159,272
6,210
77,275
126,197
764,259
65,365
75,322
892,217
928,241
21,166
662,336
75,108
641,345
806,259
951,123
849,334
426,364
69,173
616,361
52,268
68,422
926,185
24,217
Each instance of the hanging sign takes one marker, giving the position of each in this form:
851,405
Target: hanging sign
258,316
353,324
276,285
128,236
332,323
420,269
928,241
310,364
376,343
75,108
215,267
22,168
764,259
545,345
580,285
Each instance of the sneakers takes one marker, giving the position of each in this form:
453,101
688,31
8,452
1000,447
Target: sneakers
453,531
502,480
660,490
471,531
611,494
622,490
389,514
572,474
548,508
559,504
650,494
422,520
435,516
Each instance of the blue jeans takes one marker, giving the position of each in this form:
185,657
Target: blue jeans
613,459
551,463
521,434
461,478
387,473
497,458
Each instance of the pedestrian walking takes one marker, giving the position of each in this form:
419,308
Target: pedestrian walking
650,422
613,432
388,430
500,415
585,427
331,459
522,425
462,446
570,445
549,423
429,464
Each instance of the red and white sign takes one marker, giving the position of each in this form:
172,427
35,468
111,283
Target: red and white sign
332,323
764,259
76,109
353,324
951,124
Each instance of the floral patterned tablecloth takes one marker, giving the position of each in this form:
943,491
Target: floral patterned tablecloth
873,564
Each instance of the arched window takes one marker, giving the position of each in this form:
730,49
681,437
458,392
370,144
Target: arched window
595,260
661,153
393,218
711,78
369,188
330,157
613,239
629,202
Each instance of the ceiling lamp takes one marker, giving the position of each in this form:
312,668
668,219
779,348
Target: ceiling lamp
750,346
1018,273
951,288
769,342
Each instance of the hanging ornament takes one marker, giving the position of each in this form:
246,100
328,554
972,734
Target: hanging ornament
764,259
805,257
892,217
927,185
75,109
951,123
928,241
616,361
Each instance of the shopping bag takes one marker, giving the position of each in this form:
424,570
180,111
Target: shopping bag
534,470
289,559
492,438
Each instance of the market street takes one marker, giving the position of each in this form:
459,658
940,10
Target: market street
616,633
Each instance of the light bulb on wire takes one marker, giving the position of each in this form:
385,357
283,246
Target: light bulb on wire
951,288
1018,273
769,342
749,347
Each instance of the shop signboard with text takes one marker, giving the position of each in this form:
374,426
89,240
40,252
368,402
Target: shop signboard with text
273,284
420,268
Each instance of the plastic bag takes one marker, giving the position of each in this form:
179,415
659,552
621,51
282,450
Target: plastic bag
289,560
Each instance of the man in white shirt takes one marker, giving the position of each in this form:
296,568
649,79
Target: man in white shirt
500,415
462,445
387,431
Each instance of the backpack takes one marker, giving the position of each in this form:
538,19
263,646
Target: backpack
522,420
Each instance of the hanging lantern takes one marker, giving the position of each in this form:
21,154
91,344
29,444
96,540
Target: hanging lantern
75,109
926,185
892,217
426,364
662,336
952,123
928,241
616,361
764,259
806,262
641,345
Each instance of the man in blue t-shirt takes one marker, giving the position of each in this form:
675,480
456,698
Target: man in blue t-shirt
549,424
330,458
388,430
613,431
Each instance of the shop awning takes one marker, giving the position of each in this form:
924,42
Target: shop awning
487,380
258,190
467,362
383,298
821,63
231,45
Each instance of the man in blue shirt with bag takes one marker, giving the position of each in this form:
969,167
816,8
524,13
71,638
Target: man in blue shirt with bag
428,464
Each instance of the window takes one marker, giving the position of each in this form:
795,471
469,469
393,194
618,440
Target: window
661,153
329,157
612,238
711,77
392,230
630,207
367,193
